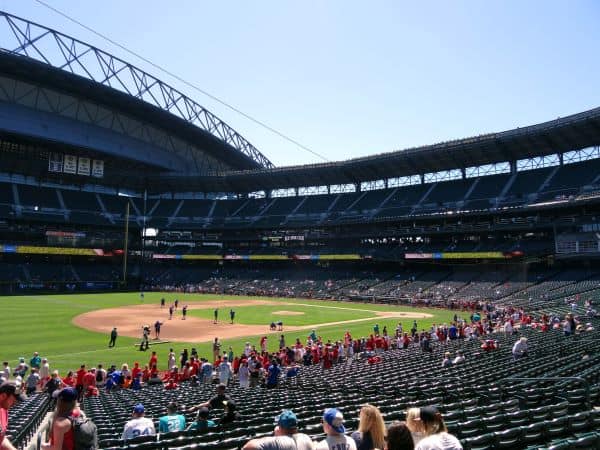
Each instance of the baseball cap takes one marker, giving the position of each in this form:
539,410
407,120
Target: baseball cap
335,419
287,419
69,394
12,389
138,409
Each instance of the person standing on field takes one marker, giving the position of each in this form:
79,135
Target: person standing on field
113,337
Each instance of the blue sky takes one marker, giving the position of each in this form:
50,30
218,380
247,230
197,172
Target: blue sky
348,78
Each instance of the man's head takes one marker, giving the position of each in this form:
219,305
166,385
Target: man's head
172,408
333,422
287,422
221,388
203,414
9,395
138,410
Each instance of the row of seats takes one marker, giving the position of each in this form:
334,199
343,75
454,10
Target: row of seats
44,203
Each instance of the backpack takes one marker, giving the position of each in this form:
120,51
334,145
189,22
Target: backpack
99,376
85,433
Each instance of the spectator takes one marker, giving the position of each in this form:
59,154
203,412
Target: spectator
436,433
206,370
21,368
225,371
139,425
446,362
35,362
244,375
292,373
54,383
79,383
371,429
520,348
216,401
460,358
44,372
100,376
230,414
273,375
285,436
425,344
5,374
399,437
9,395
333,425
61,433
32,381
202,423
414,424
172,421
69,380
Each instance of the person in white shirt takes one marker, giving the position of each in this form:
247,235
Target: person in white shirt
244,375
6,371
460,358
44,372
139,425
225,371
520,349
333,425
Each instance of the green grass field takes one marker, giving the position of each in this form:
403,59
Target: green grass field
43,323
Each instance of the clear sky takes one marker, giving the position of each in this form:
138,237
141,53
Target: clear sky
348,78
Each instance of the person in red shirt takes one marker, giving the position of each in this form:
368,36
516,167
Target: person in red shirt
136,369
79,383
9,395
153,360
171,384
146,374
69,380
89,379
326,359
405,340
62,436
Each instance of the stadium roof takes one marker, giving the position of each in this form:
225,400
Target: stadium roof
556,136
48,58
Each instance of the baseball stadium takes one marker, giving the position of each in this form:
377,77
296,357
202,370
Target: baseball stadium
149,253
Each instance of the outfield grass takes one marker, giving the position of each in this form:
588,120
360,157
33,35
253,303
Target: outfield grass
43,323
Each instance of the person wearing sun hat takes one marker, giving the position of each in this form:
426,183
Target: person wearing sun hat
139,425
285,436
333,425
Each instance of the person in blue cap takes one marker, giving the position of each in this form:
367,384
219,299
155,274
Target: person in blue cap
285,436
333,425
139,425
